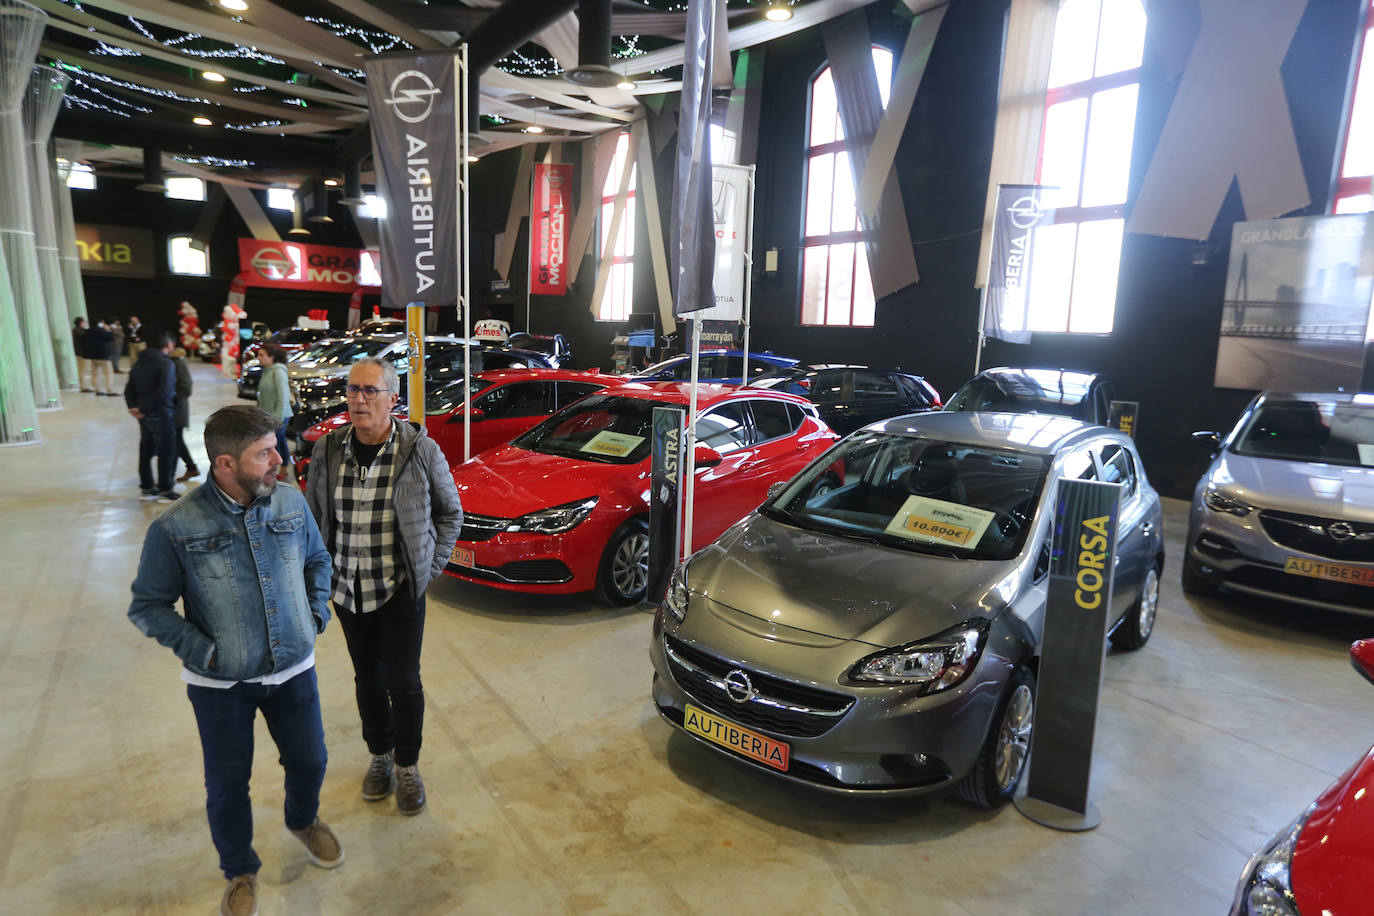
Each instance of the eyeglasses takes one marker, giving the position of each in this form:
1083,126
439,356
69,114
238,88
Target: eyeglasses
369,392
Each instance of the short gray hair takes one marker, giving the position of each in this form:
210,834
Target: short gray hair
393,381
230,430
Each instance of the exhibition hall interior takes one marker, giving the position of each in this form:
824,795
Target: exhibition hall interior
629,456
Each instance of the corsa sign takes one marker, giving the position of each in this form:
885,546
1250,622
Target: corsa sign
291,265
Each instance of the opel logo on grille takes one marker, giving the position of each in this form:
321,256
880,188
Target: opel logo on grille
738,686
1344,531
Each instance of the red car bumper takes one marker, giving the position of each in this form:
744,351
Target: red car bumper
554,564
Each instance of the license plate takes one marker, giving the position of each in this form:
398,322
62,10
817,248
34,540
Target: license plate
463,557
1331,572
737,738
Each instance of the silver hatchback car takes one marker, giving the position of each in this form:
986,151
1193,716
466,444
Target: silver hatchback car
1286,509
836,639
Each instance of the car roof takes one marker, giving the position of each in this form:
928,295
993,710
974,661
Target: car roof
1071,385
1353,398
553,375
708,395
1040,434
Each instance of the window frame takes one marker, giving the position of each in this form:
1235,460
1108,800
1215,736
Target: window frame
172,257
618,304
1343,187
172,181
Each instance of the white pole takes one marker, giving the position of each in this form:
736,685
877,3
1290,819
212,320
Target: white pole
460,79
748,269
982,316
690,465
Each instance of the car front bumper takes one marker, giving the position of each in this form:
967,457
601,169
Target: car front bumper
528,562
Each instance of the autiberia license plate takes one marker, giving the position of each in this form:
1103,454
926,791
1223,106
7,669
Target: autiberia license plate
463,557
737,738
1331,572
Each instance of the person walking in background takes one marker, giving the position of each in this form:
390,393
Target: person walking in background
97,343
136,342
274,397
181,412
389,513
116,348
150,394
83,365
253,606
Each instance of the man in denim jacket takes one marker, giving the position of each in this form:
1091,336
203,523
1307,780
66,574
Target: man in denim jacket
246,560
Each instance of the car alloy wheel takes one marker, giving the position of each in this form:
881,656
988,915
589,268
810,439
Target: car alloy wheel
1013,738
1149,604
630,568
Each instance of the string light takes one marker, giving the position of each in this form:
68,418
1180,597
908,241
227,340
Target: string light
256,125
216,162
376,40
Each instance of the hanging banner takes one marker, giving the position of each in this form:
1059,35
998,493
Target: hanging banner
316,268
693,246
548,228
1014,222
414,107
732,203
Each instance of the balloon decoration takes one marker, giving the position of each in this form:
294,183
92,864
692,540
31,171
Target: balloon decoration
189,329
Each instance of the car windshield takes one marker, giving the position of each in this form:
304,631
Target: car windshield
1062,394
530,342
1322,431
314,351
793,381
295,335
600,427
349,350
923,495
449,397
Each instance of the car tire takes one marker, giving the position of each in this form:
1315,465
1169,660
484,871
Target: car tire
1135,628
992,782
623,575
1194,583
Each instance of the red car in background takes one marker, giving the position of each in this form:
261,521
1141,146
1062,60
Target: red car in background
1316,865
564,508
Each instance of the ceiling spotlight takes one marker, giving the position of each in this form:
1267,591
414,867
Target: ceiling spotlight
534,129
473,158
626,84
213,76
237,6
331,182
202,121
776,12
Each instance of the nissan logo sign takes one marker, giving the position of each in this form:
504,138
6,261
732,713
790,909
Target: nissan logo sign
273,264
738,686
412,96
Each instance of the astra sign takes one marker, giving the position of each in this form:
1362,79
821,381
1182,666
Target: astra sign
290,265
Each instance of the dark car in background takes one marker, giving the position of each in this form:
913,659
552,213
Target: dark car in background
1085,396
715,365
291,340
554,346
1286,509
850,397
250,376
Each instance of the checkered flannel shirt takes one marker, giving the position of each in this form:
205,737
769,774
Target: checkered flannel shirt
367,564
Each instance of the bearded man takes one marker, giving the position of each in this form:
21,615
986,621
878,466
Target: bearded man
246,560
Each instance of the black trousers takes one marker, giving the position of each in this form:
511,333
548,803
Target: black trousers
183,452
385,647
157,439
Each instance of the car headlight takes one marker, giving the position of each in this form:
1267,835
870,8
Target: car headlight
1266,888
556,520
675,601
1218,501
936,663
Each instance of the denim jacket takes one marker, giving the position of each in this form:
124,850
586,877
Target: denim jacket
254,583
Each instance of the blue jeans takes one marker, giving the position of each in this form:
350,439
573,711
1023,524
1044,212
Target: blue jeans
225,719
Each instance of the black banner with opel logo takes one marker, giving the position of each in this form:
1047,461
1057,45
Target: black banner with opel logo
1077,610
665,485
414,105
1019,213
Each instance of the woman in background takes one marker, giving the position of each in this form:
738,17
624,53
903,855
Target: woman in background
274,396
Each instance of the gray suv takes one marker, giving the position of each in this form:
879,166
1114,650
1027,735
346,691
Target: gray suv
837,639
1286,509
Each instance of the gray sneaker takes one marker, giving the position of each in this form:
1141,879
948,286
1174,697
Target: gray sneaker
321,845
380,778
410,790
240,897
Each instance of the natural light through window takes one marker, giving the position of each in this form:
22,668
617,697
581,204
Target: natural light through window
81,177
1085,163
836,288
616,303
184,258
281,198
1357,161
181,188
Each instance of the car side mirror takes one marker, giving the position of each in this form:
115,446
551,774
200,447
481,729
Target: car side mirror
1207,439
707,457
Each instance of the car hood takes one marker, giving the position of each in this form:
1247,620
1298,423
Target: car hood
1327,490
300,372
507,482
1335,844
844,589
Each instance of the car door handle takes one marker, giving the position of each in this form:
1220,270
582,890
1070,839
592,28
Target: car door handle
1147,528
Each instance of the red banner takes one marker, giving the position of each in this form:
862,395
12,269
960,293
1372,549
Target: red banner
291,265
548,228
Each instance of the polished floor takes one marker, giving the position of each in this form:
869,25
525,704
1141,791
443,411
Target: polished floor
553,785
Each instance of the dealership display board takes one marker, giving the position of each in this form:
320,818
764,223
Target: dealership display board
317,268
116,251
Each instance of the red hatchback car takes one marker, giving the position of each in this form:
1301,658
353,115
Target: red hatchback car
1316,865
564,508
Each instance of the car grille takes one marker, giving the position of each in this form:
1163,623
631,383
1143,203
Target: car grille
1311,534
482,527
780,706
1282,583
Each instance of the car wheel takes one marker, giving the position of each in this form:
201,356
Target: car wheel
1135,628
1194,583
624,572
1002,761
823,486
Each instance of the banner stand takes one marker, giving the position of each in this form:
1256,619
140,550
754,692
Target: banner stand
665,499
1069,682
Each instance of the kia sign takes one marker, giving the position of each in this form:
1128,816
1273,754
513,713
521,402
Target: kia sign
414,103
548,212
320,268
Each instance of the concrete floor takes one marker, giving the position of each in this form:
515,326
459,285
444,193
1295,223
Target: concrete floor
554,786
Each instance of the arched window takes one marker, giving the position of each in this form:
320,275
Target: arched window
619,296
1357,159
836,288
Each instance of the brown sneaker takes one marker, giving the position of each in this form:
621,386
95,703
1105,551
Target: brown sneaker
240,897
410,790
323,848
380,778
